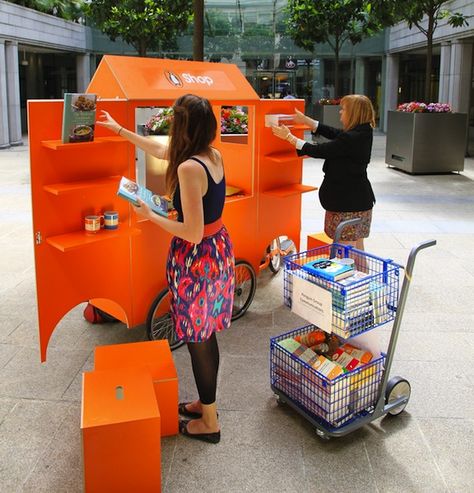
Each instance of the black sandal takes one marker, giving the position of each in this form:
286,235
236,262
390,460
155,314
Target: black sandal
189,414
205,437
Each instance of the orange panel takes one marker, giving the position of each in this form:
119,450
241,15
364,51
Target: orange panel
123,271
317,240
120,423
137,78
69,181
156,358
279,177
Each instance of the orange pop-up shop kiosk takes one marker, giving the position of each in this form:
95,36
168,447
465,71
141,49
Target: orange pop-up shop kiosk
122,271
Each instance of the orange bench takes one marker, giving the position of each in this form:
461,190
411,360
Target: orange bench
120,424
155,357
316,240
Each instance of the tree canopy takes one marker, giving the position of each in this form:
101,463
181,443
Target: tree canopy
330,21
70,10
148,25
425,16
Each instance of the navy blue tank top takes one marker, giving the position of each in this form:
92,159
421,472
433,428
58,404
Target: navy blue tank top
212,201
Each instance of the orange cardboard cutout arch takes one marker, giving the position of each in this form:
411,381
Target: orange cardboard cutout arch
69,181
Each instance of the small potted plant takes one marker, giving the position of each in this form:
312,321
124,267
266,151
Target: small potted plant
426,138
234,124
159,123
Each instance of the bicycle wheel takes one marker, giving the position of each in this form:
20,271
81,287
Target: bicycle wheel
159,324
244,289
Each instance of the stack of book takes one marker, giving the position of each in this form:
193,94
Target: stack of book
351,304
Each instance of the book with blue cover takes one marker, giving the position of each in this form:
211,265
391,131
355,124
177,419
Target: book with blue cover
328,269
131,191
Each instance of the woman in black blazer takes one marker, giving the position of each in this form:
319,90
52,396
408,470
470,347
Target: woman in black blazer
346,192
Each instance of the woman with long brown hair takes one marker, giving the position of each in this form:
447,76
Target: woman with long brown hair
346,192
200,266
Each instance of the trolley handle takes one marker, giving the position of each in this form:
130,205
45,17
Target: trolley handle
344,224
413,254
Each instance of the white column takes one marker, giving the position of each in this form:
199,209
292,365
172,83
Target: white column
13,93
4,133
460,80
359,86
83,71
444,73
391,86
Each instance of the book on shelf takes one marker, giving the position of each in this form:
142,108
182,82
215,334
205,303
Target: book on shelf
329,269
230,190
78,117
132,191
279,119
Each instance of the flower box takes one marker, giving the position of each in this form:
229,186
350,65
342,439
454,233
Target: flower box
235,138
328,114
426,142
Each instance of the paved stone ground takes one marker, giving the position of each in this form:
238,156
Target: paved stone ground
264,447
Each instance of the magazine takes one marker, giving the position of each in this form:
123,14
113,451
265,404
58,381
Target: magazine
131,191
78,117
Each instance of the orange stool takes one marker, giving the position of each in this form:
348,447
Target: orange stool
120,423
316,240
155,357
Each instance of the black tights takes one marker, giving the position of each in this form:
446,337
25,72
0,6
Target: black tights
205,361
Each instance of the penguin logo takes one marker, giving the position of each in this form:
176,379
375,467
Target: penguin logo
173,79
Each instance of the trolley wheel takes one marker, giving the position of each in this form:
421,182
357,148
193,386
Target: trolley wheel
321,434
244,289
280,400
159,324
275,260
397,387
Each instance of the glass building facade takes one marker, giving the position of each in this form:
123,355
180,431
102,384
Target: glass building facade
252,34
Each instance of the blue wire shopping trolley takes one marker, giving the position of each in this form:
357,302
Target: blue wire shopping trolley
338,406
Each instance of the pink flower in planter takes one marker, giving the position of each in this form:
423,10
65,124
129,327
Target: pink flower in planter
416,107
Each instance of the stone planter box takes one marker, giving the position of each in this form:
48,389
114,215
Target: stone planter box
426,142
328,114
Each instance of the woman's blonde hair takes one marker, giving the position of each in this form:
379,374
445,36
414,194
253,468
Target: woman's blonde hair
359,110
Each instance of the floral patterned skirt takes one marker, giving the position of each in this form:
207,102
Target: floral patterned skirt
201,281
349,233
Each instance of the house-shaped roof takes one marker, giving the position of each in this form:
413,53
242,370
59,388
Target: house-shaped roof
135,78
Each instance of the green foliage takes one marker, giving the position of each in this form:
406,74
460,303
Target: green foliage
425,16
148,25
72,10
413,12
220,33
330,21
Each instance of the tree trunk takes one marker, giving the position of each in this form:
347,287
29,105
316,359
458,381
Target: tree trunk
198,35
336,69
429,59
142,48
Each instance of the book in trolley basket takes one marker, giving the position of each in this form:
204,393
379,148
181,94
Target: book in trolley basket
337,390
329,395
328,269
360,301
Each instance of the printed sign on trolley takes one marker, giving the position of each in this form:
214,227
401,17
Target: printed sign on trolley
312,302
